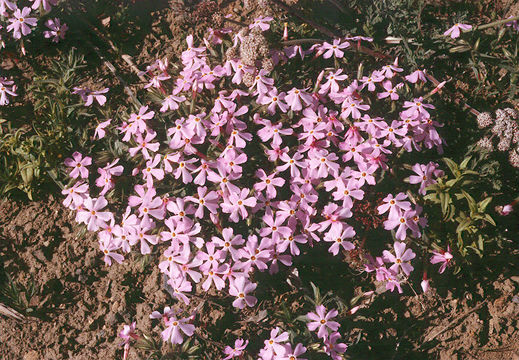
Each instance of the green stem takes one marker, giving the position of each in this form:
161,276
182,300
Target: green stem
495,23
301,41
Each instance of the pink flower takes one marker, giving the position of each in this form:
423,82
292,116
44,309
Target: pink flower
236,204
46,4
240,288
57,30
20,23
337,235
100,129
294,98
261,22
334,49
269,183
4,90
76,195
239,346
128,333
454,32
417,75
88,95
107,247
395,205
91,215
79,164
443,257
321,320
174,327
400,258
425,175
274,345
332,348
416,108
171,102
290,354
402,222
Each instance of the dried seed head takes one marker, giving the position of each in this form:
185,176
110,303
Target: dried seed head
485,143
502,115
268,64
514,114
484,119
248,79
513,158
231,53
504,144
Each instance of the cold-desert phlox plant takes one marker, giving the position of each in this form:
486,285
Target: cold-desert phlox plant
239,170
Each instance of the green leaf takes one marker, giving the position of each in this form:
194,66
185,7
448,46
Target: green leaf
465,162
482,205
464,224
453,167
489,219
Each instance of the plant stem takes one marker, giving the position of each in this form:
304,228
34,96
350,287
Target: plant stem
495,23
301,41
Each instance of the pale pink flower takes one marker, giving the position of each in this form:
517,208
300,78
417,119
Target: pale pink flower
240,289
334,49
57,30
402,255
261,22
20,22
443,257
79,164
321,321
454,32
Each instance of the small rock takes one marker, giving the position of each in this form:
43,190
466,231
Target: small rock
31,355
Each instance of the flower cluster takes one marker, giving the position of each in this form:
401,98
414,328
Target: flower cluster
288,161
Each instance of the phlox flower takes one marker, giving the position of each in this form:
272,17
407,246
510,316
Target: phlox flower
443,257
275,344
128,333
425,175
76,195
253,254
20,22
88,95
229,242
236,204
57,30
274,227
334,49
371,80
416,75
273,99
212,258
91,215
293,354
156,80
332,84
179,286
151,171
46,4
402,222
215,276
4,90
321,321
108,248
205,199
240,288
143,237
390,91
261,22
100,131
263,83
352,107
395,205
454,32
174,326
399,260
294,97
143,145
337,236
416,108
269,183
171,102
79,164
334,349
6,4
389,70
